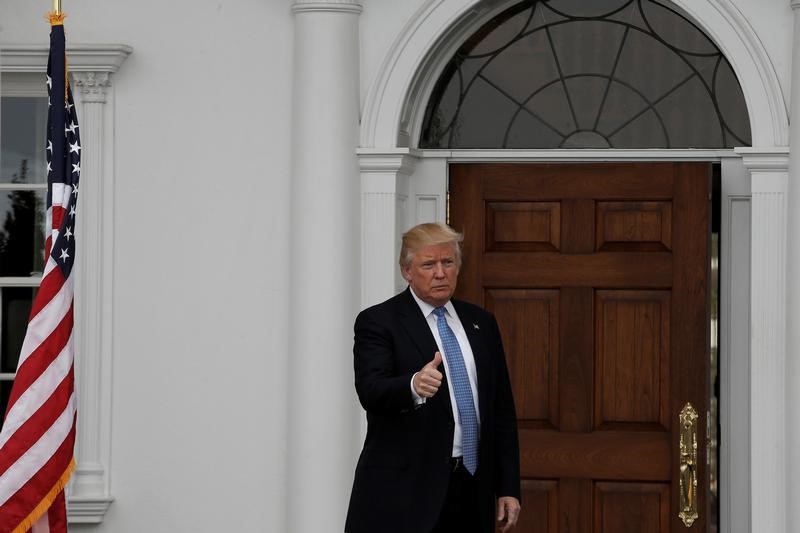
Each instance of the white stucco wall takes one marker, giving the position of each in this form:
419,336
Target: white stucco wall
201,257
202,166
380,24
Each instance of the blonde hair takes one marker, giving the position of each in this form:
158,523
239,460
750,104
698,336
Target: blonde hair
426,235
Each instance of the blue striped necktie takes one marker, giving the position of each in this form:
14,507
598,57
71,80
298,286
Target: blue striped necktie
459,380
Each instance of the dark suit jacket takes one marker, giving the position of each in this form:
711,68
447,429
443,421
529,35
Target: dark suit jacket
402,475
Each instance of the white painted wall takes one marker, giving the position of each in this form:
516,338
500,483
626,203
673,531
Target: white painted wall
202,155
201,257
380,24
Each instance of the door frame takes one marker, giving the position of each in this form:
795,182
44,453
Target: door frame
403,187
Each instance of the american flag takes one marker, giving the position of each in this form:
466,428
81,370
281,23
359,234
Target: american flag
38,435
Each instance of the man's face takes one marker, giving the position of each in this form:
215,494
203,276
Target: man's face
433,273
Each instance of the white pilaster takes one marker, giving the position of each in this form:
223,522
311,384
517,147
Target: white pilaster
90,490
323,432
768,170
792,422
384,197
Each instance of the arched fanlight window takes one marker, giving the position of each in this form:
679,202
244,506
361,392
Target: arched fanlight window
587,74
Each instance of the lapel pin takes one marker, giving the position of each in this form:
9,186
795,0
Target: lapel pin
475,326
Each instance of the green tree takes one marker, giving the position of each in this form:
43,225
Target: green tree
21,241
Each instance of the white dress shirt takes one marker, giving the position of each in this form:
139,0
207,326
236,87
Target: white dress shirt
469,361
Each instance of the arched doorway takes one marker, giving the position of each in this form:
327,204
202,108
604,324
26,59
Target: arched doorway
413,178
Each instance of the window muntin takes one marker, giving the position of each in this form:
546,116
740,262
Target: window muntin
15,306
574,74
23,188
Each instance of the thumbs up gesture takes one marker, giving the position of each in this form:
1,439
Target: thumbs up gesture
428,379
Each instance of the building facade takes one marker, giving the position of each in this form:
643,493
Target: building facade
249,168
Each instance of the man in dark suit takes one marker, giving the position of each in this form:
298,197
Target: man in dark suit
441,445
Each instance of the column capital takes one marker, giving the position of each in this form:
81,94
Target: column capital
399,160
773,158
92,85
794,3
340,6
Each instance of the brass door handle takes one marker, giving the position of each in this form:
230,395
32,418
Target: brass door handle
688,465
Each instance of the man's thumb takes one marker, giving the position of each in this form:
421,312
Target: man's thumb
437,360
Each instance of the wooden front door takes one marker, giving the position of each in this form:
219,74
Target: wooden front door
597,274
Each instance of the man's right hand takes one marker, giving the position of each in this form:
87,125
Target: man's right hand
428,379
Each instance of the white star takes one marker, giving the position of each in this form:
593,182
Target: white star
75,191
73,127
49,145
68,233
75,148
76,168
68,106
49,168
49,82
72,211
64,255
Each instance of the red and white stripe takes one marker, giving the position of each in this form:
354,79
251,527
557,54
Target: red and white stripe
38,435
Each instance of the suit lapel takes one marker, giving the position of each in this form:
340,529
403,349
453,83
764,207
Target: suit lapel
417,327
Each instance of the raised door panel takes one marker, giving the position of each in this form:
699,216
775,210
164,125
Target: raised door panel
631,507
523,226
634,226
632,358
540,508
529,323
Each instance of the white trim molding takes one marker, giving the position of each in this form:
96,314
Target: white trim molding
734,336
331,6
91,67
81,57
792,375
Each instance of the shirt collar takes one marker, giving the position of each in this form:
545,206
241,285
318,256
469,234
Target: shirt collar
427,308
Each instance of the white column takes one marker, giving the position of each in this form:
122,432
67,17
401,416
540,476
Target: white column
793,292
89,491
323,432
768,170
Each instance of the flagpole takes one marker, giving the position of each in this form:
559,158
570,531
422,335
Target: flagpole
57,6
